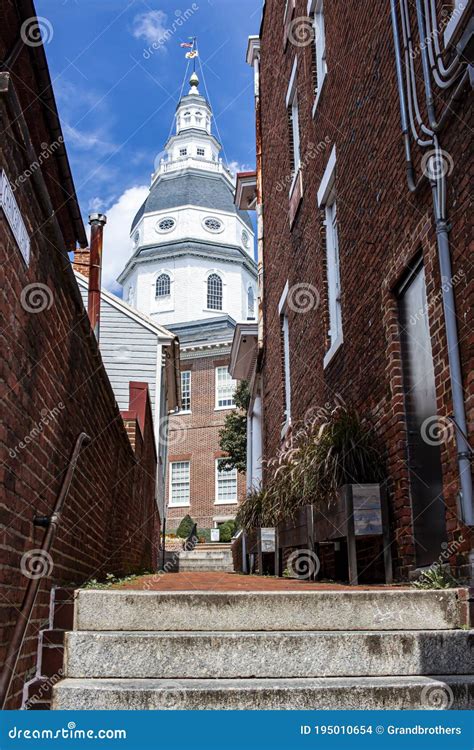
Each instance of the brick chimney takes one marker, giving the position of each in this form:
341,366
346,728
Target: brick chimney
81,261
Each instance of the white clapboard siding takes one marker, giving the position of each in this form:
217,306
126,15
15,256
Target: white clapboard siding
129,351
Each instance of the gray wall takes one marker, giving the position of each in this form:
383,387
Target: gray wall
129,351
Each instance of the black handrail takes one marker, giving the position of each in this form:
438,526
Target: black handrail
52,523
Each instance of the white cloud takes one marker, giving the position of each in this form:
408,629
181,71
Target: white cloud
150,26
236,166
87,141
117,246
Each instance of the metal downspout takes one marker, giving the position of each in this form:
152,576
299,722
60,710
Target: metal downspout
442,237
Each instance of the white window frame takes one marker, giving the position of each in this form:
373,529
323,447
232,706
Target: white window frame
292,102
285,327
198,150
206,307
234,475
183,152
316,12
327,201
189,374
172,504
217,399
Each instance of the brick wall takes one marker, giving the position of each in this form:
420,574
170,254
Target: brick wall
195,437
54,386
381,226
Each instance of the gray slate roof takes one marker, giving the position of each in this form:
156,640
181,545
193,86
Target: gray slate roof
206,190
201,332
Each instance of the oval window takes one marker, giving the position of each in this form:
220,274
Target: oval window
213,225
165,225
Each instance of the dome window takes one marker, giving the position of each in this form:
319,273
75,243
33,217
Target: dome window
187,118
166,225
163,286
250,304
183,151
213,225
245,239
198,117
201,152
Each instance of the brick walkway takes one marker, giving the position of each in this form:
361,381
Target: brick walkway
232,582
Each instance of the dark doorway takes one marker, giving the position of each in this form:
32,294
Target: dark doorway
424,457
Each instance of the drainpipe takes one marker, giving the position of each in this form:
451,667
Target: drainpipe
454,360
442,238
259,205
97,222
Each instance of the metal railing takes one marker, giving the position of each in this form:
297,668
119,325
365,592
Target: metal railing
51,524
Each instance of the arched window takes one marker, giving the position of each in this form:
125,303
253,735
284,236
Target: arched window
198,117
250,304
187,118
214,292
163,285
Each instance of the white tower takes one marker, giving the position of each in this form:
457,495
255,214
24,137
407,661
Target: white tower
192,248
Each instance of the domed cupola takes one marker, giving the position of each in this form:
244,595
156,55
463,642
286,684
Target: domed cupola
189,232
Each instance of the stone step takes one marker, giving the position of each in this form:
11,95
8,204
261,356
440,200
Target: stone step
267,655
207,554
394,609
203,567
396,693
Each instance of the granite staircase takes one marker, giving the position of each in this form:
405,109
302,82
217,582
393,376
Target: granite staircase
373,649
215,557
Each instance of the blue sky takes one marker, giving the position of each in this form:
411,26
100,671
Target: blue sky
116,95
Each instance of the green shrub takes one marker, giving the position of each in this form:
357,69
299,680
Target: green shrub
185,527
227,530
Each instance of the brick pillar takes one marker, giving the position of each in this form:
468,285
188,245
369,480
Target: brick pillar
81,261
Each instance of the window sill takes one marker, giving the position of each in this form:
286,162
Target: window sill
224,408
179,505
212,310
318,96
184,411
226,502
332,351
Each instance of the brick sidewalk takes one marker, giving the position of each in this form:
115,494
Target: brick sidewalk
210,581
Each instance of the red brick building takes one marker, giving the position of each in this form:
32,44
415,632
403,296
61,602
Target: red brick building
195,484
353,297
54,385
